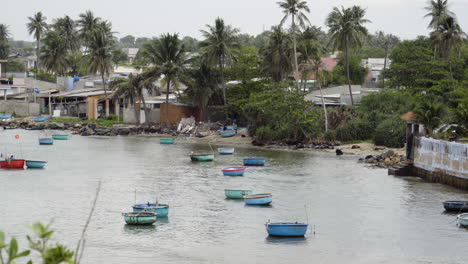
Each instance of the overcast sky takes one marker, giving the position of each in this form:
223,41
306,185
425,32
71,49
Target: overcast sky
147,18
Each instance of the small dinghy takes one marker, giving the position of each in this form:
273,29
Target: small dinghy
233,171
35,164
46,141
12,164
40,118
456,206
236,194
228,133
226,151
254,161
166,141
140,218
60,136
202,156
286,229
463,219
258,199
162,210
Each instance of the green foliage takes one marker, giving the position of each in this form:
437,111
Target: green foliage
264,135
14,66
277,55
388,102
371,52
246,65
357,129
356,71
390,133
430,113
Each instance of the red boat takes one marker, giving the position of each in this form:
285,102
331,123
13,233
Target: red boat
12,164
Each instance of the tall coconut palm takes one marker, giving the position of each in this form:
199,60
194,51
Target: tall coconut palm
4,36
296,9
277,55
201,86
220,46
66,27
448,38
87,23
168,55
438,12
100,48
37,27
346,29
54,53
309,47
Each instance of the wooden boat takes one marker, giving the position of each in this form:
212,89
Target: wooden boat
258,199
46,141
236,194
166,141
254,161
60,137
12,164
162,210
202,156
286,229
40,118
228,133
140,218
463,219
35,164
226,151
5,116
456,206
233,171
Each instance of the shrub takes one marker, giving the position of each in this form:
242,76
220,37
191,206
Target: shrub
264,135
358,129
330,135
390,133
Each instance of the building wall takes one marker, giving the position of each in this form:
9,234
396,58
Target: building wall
129,115
19,108
177,112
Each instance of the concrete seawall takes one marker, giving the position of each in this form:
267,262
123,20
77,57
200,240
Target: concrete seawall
441,161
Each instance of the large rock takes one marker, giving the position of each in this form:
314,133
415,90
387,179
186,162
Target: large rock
86,132
388,153
54,125
91,125
102,131
124,131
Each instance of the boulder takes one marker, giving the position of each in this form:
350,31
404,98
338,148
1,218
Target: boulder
388,153
91,125
339,152
102,131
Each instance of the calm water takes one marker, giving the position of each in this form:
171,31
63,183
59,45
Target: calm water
360,215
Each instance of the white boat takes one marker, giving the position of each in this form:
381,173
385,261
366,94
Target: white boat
463,219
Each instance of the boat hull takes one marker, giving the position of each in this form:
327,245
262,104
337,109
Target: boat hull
5,116
46,141
236,194
35,164
228,133
202,157
258,199
12,164
233,171
40,118
226,151
162,210
463,220
166,141
140,218
456,206
60,137
254,161
286,229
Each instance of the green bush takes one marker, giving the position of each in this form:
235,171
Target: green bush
264,135
358,129
390,133
330,135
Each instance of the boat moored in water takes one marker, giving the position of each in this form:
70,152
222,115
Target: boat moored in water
60,136
286,229
236,194
162,210
35,164
228,133
254,161
456,206
140,218
463,219
258,199
226,151
46,141
233,171
12,164
166,141
202,156
40,118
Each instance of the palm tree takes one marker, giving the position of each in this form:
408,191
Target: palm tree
346,29
308,47
167,53
277,55
87,23
438,12
430,115
54,53
448,37
100,47
4,36
317,67
295,9
220,46
66,27
37,27
201,86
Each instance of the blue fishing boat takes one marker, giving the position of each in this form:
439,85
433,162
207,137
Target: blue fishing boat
227,128
35,164
226,151
5,116
456,206
162,210
254,161
60,136
40,118
286,229
233,171
236,194
258,199
166,141
463,220
228,133
140,218
202,156
46,141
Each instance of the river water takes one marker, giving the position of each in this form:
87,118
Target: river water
359,215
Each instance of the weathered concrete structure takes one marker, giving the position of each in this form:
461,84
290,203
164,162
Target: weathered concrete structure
19,108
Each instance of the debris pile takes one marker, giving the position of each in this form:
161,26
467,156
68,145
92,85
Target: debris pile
385,160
